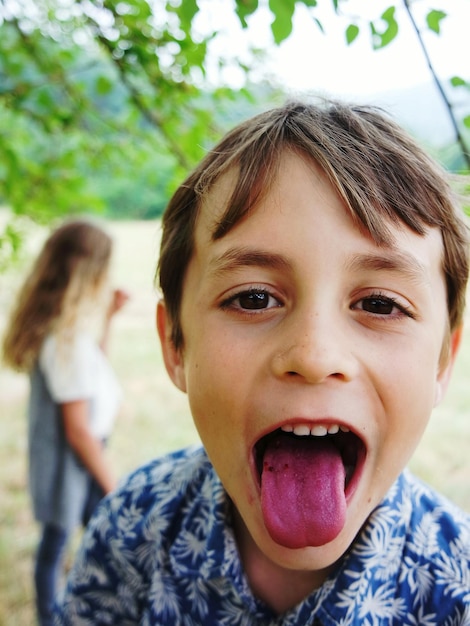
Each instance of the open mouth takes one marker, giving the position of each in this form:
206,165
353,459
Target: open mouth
350,447
306,475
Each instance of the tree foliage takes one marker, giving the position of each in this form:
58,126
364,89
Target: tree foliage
92,90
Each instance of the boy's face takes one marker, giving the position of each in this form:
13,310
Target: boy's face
296,320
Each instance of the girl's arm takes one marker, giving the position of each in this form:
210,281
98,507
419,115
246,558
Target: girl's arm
87,447
119,298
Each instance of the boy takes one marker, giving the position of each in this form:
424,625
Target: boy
313,271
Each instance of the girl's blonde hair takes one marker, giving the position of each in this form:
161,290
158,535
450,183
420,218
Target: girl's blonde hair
69,272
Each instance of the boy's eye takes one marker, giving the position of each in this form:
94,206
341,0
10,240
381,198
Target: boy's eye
252,300
378,304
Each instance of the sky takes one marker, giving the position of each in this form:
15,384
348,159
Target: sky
322,62
357,69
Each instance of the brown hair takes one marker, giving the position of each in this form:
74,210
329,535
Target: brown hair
67,274
380,172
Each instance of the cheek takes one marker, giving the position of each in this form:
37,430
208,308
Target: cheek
216,406
409,399
216,362
212,391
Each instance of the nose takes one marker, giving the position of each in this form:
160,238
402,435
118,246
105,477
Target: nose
315,347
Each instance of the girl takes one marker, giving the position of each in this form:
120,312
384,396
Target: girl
74,394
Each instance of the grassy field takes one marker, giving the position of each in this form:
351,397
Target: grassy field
155,418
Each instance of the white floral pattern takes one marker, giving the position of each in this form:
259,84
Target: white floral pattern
161,552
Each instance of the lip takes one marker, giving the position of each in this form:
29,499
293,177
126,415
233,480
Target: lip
352,446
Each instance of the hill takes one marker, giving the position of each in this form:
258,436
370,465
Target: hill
422,111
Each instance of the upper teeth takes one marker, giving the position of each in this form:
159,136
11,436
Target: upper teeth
318,430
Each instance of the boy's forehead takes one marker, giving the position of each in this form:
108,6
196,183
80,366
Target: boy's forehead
215,201
427,248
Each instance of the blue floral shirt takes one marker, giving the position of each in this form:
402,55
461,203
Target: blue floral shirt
161,552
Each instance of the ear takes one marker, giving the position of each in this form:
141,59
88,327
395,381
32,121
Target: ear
172,357
447,364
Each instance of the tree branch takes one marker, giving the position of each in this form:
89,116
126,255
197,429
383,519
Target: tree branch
459,137
149,114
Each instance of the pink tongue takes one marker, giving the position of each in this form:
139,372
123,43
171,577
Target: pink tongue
302,491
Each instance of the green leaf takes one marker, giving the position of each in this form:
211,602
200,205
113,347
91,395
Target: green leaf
245,8
434,19
466,121
45,99
352,32
186,11
103,85
457,81
283,11
11,241
382,37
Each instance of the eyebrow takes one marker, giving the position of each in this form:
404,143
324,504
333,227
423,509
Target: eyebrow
391,261
239,257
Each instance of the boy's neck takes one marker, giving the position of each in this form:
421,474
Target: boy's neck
279,588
